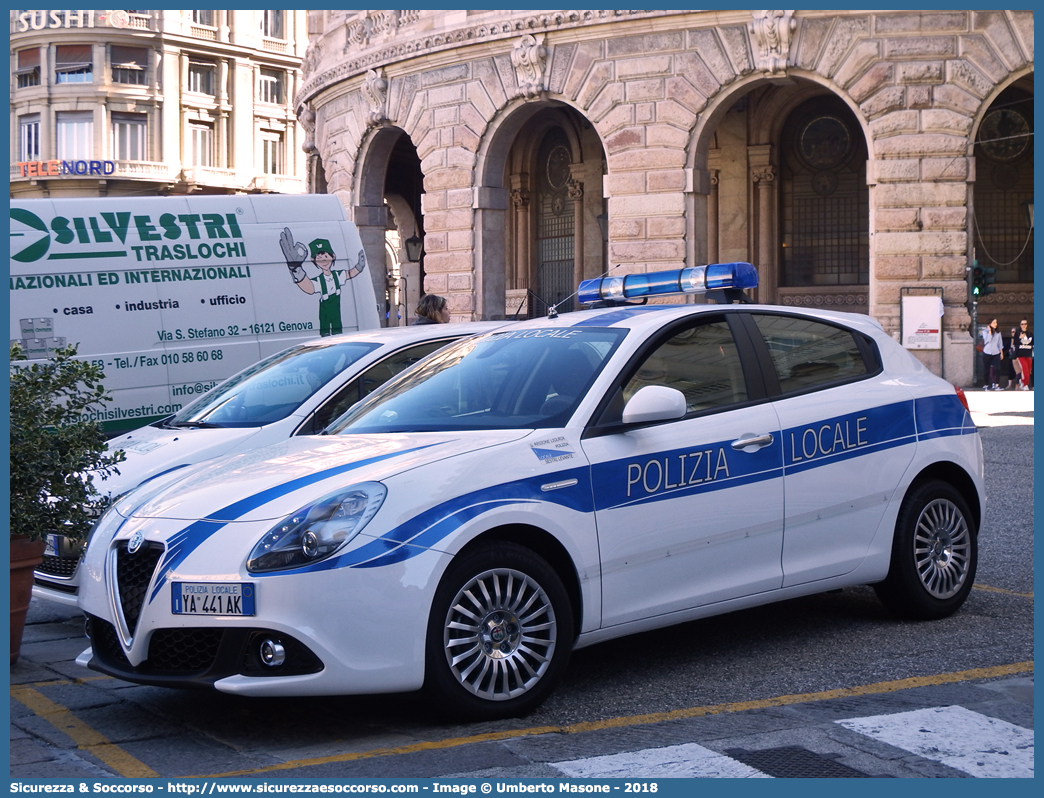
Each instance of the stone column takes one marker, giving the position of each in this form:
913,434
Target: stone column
521,256
491,215
712,219
763,176
372,221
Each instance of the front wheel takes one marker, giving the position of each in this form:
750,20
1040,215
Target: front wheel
499,634
934,554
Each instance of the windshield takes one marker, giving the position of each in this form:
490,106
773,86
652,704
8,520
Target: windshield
271,389
516,379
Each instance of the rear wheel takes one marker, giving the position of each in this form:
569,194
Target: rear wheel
499,634
934,554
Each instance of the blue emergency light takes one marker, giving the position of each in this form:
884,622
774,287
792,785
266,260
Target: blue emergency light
693,280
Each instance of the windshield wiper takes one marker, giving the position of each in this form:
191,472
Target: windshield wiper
200,424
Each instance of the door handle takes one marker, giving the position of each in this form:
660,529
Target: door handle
759,441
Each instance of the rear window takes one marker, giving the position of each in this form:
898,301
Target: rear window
809,354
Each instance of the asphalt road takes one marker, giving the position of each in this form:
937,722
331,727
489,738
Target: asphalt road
761,679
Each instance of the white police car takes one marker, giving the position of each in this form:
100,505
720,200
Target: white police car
553,484
297,391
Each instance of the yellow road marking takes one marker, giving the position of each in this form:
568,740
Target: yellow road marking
1002,590
657,717
85,738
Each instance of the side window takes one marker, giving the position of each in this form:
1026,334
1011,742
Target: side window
809,354
367,382
701,361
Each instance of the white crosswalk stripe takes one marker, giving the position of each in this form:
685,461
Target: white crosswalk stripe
957,737
675,761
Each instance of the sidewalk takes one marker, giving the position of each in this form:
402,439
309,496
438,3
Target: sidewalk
1000,408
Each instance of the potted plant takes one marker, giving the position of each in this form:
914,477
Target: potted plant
56,453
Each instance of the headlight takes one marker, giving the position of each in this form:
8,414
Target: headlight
318,530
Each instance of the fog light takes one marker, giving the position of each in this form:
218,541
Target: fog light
272,653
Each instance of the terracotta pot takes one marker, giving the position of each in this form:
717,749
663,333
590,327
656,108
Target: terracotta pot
25,556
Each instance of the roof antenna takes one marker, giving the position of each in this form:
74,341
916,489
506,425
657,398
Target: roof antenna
552,310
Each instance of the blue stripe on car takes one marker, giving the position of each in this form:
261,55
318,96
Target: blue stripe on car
598,487
182,544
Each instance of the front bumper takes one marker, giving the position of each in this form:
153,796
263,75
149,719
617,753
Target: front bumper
198,656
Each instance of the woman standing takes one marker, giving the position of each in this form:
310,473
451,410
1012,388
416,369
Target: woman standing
1022,348
432,309
992,354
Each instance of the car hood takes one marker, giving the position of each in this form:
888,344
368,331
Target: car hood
153,450
269,483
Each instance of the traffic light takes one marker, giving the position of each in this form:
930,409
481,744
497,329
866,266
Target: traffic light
983,279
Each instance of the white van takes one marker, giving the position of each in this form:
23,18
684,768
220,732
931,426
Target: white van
171,295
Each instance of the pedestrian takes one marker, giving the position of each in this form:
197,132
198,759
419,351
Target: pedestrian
992,355
432,309
1022,348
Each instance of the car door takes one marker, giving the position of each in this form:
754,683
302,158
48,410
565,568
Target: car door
847,441
687,514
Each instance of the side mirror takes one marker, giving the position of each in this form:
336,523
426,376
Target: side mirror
654,403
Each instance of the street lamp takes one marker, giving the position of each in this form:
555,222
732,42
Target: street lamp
414,248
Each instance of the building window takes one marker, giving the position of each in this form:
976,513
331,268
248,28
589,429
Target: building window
29,137
75,135
270,87
129,139
202,77
824,200
203,18
73,63
201,144
28,70
556,223
272,24
129,65
1004,161
272,162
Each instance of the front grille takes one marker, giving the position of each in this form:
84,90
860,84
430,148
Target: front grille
133,577
105,642
59,587
197,656
183,650
59,566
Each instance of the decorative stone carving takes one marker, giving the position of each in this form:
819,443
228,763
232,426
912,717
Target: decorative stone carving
306,116
763,174
529,57
376,87
823,300
574,190
520,198
771,33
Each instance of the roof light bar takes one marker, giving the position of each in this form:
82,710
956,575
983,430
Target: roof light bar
693,280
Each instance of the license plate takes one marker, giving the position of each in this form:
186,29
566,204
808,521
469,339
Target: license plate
51,546
212,598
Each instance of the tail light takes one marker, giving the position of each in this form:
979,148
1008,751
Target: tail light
962,397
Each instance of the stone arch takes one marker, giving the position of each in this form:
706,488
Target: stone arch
504,233
370,211
747,225
999,232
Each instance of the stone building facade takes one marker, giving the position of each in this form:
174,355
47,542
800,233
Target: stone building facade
855,157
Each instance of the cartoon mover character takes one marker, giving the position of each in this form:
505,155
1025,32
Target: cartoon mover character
327,284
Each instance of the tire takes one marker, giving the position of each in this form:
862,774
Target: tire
499,634
934,554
